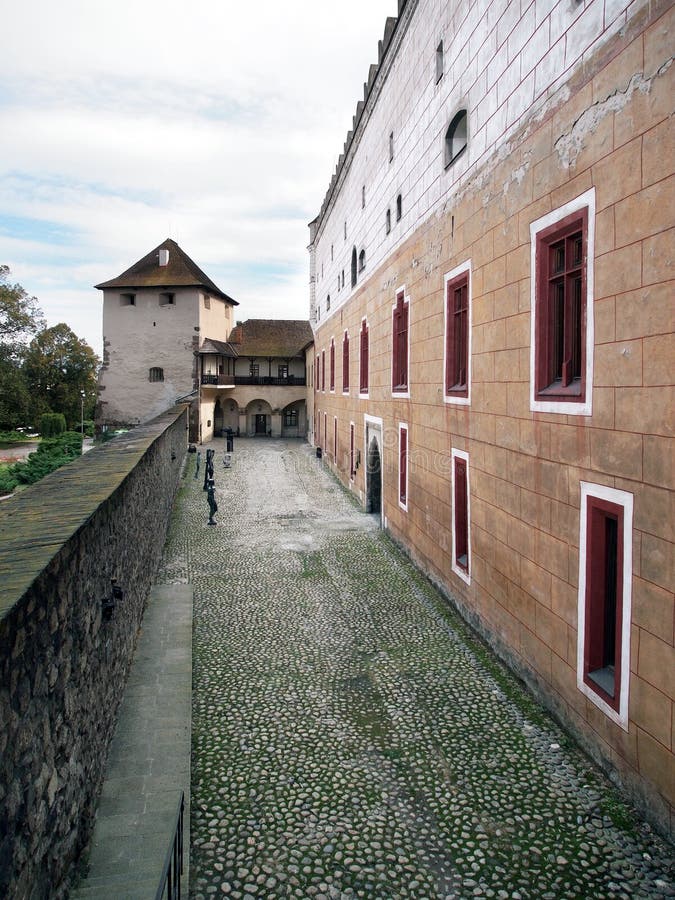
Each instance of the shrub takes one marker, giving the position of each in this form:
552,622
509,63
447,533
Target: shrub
49,456
52,424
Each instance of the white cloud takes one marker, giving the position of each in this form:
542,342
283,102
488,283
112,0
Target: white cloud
218,124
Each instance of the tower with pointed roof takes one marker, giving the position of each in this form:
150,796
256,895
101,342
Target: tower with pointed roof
155,315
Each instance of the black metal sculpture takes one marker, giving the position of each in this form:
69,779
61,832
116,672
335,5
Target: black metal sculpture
211,497
208,468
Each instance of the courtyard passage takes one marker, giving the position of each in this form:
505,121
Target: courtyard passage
351,738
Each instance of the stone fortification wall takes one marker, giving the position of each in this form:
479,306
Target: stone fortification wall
63,665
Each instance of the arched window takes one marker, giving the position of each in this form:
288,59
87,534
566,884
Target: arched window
399,208
362,260
387,221
456,137
353,266
156,374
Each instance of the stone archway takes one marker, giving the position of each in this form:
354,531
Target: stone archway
374,479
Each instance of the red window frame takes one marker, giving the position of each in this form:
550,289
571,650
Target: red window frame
325,433
335,439
332,364
363,358
345,363
604,599
457,337
403,466
561,262
323,371
461,514
399,377
351,451
316,373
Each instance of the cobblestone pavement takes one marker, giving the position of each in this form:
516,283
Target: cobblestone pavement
350,737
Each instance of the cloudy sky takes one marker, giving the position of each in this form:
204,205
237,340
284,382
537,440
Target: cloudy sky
215,122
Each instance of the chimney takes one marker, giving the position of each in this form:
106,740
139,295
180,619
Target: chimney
163,256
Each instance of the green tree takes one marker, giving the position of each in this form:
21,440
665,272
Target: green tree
20,317
59,367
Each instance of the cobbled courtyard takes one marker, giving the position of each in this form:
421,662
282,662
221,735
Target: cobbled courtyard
351,738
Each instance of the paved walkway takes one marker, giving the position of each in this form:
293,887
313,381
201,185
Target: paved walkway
149,761
350,738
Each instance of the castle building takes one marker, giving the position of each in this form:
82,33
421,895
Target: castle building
169,335
492,308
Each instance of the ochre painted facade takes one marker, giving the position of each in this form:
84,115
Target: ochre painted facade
606,137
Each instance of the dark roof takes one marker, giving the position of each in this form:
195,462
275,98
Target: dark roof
180,271
284,338
221,347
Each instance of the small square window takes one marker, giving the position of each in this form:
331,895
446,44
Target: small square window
167,299
127,299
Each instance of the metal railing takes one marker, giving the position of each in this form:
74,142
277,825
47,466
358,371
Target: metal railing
218,380
292,380
169,883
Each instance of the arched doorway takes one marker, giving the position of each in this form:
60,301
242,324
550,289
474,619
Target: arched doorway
374,479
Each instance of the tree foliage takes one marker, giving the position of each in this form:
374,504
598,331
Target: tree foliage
20,314
50,373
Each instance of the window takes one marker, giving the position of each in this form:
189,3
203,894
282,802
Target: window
316,372
343,278
332,365
399,208
458,334
331,253
335,439
291,418
254,370
387,221
439,62
325,433
362,260
399,377
345,231
561,352
338,281
456,137
403,466
323,372
363,197
283,371
156,374
363,359
604,602
207,302
345,363
460,515
391,146
167,299
352,470
354,261
327,302
127,299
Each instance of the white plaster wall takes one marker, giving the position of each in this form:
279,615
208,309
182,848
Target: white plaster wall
215,322
137,338
504,60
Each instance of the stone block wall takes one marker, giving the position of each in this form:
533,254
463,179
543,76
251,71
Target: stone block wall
63,666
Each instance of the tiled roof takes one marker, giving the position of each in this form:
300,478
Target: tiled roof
180,271
284,338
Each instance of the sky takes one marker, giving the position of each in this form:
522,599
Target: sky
217,123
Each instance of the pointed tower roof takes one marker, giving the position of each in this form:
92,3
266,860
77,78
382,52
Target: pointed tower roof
178,270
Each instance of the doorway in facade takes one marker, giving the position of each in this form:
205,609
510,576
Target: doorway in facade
261,423
374,479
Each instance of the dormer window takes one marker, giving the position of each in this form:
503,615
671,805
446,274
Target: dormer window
167,299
